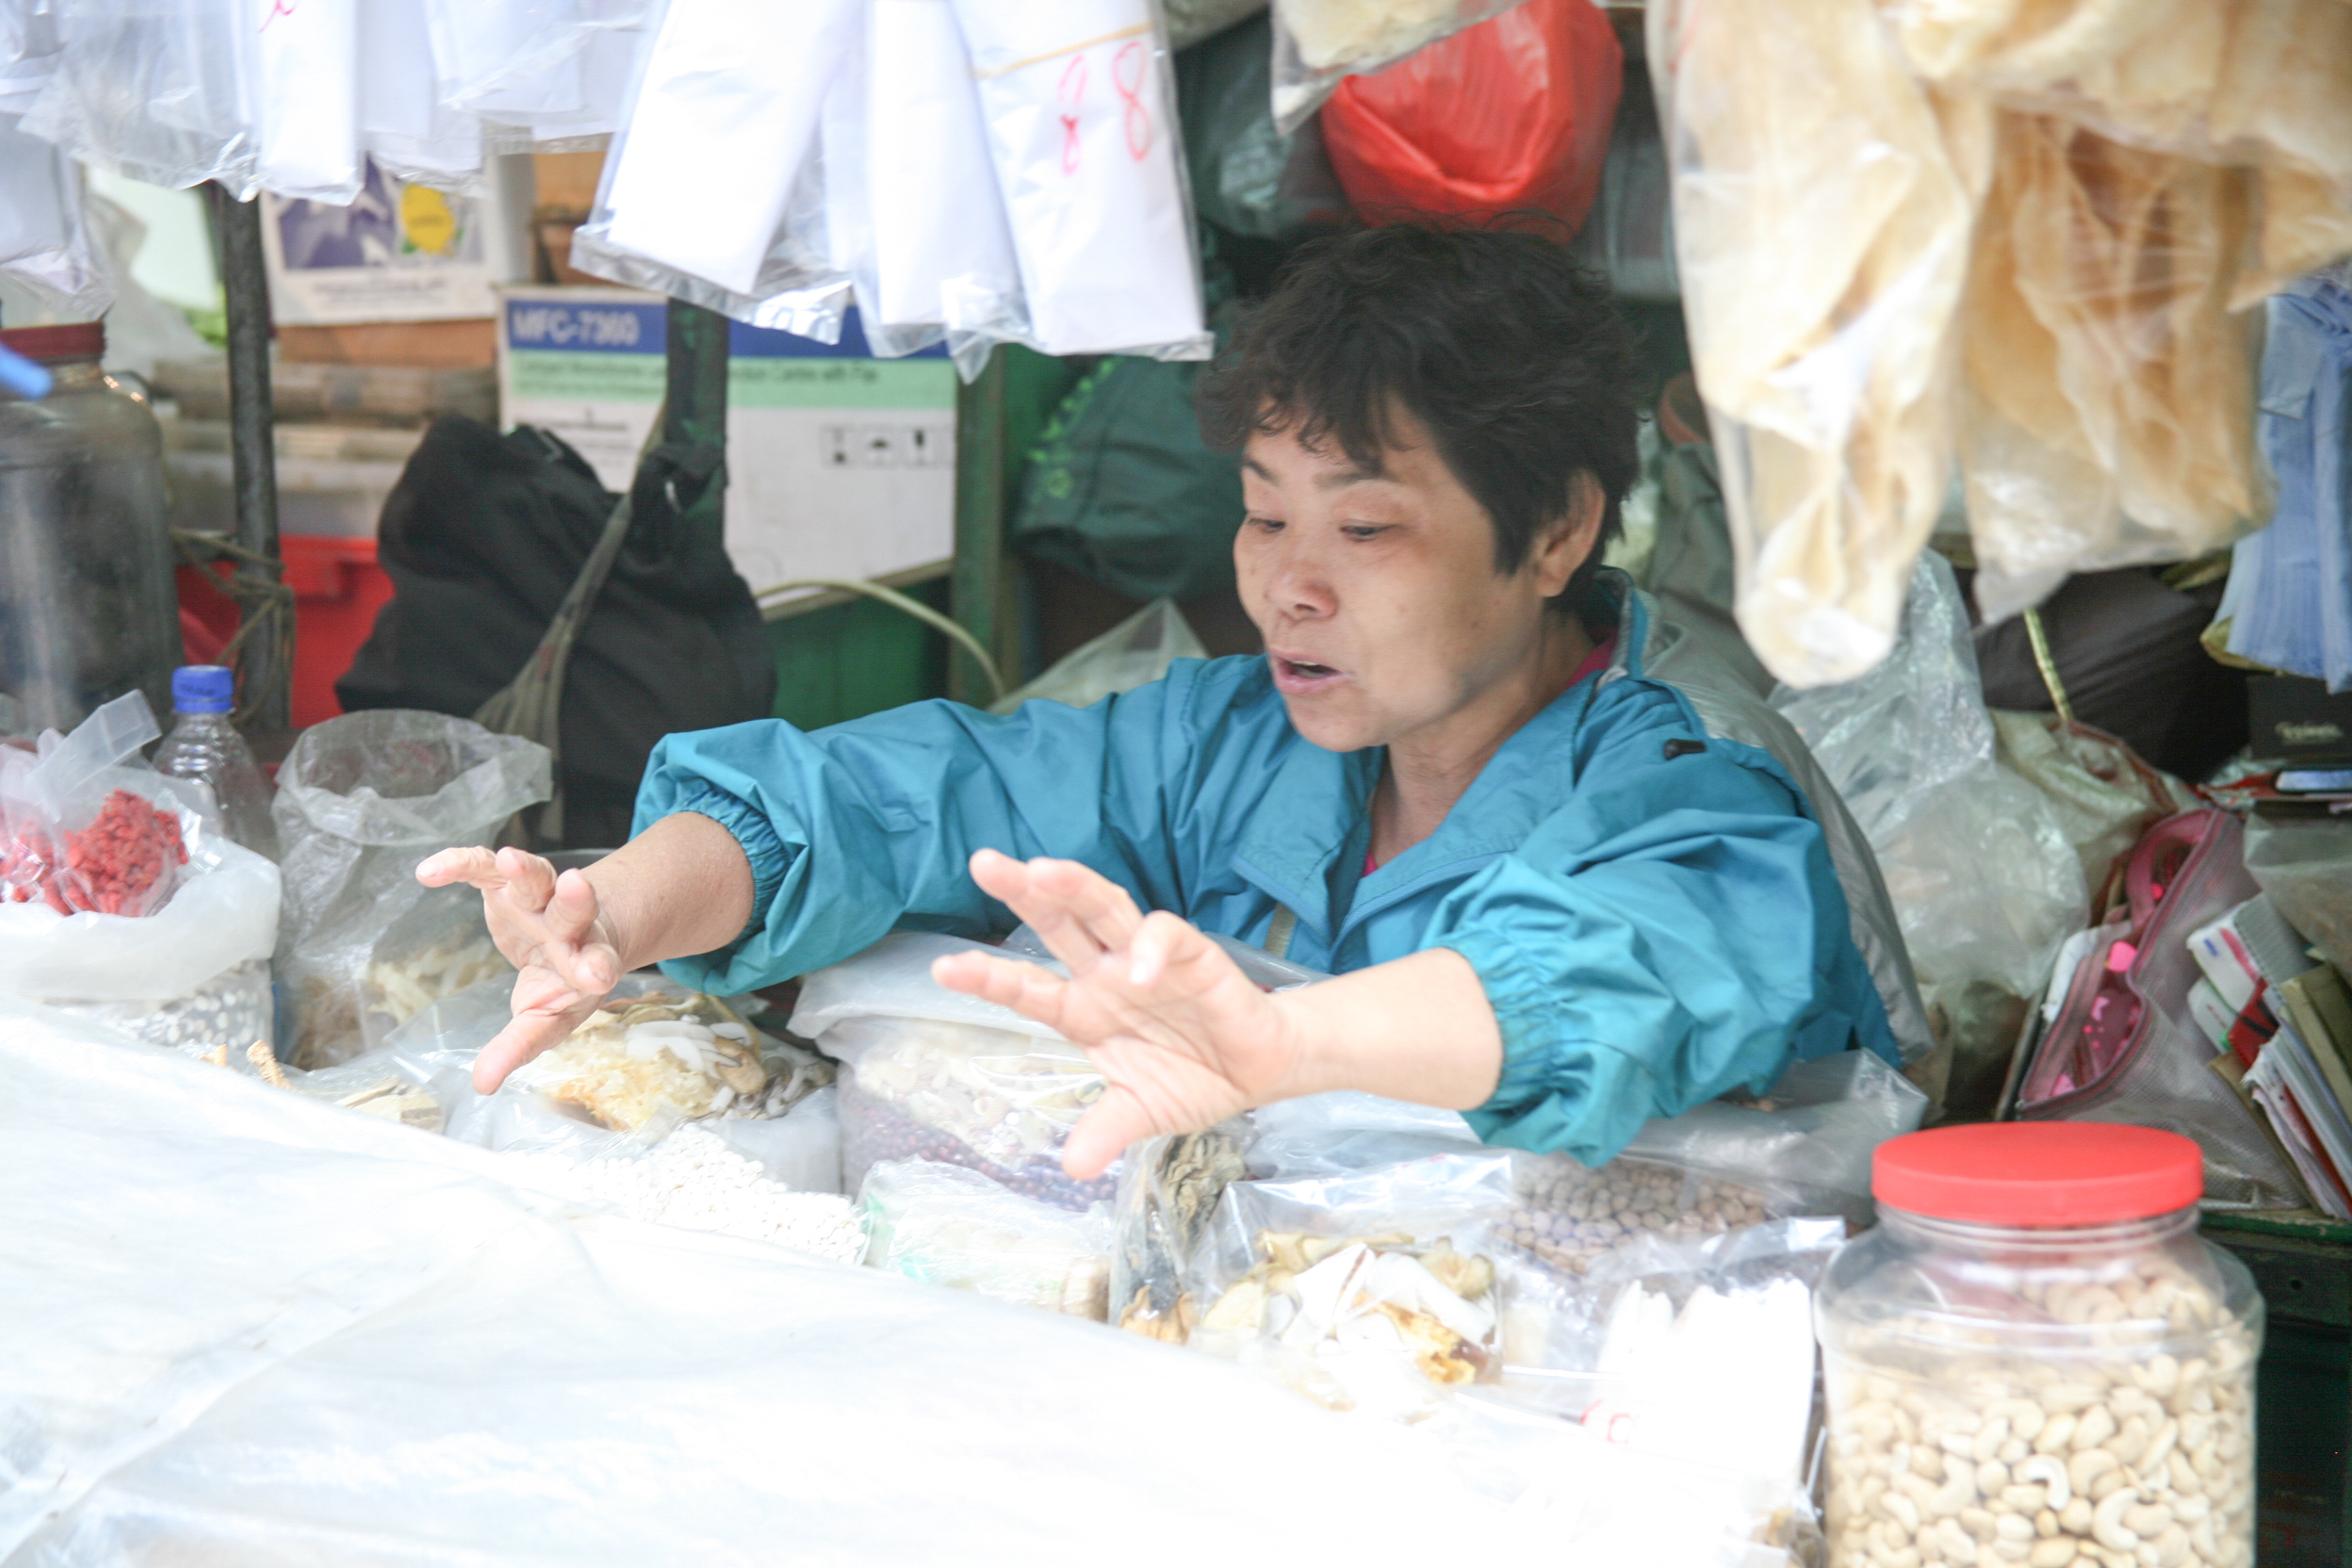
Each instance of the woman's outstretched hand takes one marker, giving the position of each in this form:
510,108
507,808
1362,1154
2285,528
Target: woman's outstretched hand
1183,1037
551,929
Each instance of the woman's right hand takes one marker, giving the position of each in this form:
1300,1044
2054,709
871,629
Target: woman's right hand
552,930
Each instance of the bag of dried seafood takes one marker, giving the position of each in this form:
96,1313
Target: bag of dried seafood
940,1076
361,799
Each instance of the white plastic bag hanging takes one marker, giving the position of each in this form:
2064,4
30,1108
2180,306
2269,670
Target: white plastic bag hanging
161,93
941,252
1821,234
403,125
842,134
307,101
1081,125
45,240
722,122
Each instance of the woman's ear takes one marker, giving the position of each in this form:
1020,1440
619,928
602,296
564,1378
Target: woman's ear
1573,536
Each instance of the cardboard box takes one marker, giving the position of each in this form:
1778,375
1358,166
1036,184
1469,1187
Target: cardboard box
418,345
839,464
398,252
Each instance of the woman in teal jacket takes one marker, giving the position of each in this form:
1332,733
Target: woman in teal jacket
1556,897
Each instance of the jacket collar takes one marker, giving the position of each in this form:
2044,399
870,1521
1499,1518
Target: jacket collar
1317,809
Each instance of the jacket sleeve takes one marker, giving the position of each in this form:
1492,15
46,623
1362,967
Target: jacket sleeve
870,825
1674,931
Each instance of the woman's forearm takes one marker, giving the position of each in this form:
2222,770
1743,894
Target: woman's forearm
680,888
1418,1028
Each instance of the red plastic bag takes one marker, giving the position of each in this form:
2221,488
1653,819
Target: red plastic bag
1508,116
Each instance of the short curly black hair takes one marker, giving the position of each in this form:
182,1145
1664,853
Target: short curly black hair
1505,350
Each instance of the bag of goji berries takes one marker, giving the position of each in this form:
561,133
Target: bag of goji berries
116,899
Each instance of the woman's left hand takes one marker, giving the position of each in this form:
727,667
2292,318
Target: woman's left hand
1183,1037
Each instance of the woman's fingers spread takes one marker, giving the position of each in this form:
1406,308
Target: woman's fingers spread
1022,885
535,1028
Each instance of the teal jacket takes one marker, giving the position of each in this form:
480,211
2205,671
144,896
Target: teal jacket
1651,908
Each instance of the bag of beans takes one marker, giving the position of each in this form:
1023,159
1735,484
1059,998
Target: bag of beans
116,900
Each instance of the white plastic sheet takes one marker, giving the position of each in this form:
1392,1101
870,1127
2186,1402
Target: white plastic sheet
1082,129
403,124
307,1336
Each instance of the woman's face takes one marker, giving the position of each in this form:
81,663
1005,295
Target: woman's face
1377,592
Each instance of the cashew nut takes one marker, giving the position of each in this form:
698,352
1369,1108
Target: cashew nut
2046,1469
2107,1526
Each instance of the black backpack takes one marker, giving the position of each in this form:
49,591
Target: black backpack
483,538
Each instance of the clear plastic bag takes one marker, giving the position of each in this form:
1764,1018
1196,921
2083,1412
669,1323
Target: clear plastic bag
361,800
87,828
1318,42
1080,106
938,1075
946,1225
1821,211
1168,1193
159,92
1373,1291
1981,869
2104,797
192,970
45,240
1134,653
305,113
2305,865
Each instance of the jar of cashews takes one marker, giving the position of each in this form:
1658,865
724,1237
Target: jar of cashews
2033,1359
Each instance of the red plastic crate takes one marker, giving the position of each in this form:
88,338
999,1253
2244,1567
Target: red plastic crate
338,587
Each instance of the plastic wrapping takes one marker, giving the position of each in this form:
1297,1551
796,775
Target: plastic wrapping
1134,653
2110,415
1318,42
1982,870
1510,116
938,1075
361,800
305,101
947,1225
521,60
1373,1291
304,1322
2305,865
160,92
2104,797
1167,1193
942,254
402,123
1080,108
46,245
1247,177
750,79
2124,1046
1821,209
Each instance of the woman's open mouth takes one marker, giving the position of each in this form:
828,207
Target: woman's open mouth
1297,677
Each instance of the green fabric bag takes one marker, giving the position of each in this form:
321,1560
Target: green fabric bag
1121,489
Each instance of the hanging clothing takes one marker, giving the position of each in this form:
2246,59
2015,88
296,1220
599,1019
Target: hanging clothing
1652,907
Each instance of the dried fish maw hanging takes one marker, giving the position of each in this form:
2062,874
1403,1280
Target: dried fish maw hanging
2111,392
2264,83
1822,232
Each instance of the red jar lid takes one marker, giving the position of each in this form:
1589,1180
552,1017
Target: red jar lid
73,340
2039,1173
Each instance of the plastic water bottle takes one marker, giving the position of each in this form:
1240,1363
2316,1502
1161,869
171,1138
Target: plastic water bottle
205,746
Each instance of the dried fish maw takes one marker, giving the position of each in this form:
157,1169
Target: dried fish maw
1468,1277
2102,273
1822,232
1240,1310
1441,1355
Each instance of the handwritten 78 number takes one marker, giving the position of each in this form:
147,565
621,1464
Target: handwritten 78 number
1128,67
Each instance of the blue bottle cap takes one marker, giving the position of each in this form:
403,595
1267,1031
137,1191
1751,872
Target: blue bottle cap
204,689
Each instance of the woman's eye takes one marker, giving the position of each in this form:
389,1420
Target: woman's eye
1364,530
1265,525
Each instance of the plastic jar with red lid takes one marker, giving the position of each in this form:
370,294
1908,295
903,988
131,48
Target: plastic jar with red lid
2034,1359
